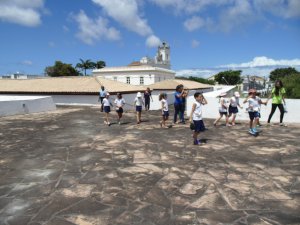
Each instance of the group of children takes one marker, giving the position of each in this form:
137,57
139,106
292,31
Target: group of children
226,108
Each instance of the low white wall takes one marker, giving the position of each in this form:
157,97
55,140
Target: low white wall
13,105
211,110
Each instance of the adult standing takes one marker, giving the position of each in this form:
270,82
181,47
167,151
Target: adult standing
179,92
147,97
277,96
102,95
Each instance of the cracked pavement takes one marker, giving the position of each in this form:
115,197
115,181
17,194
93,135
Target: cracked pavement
66,167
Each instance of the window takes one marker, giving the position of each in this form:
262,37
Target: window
115,78
141,80
128,80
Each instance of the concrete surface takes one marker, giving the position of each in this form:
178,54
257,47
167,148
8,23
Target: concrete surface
65,167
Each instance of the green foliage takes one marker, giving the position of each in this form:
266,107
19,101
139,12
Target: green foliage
100,64
292,85
61,69
198,79
280,73
85,65
230,77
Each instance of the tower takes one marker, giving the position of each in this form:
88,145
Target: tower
163,56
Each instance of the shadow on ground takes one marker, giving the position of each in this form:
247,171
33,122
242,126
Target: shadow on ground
67,167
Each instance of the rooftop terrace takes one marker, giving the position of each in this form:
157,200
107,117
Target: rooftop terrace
65,167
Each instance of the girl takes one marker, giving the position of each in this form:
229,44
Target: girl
277,96
222,109
233,106
119,102
147,97
106,107
138,102
164,109
196,116
253,110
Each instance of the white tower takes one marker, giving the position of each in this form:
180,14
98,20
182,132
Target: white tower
162,58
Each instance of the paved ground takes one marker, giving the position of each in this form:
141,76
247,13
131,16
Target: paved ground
66,168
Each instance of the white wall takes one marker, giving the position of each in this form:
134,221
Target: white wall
211,110
13,105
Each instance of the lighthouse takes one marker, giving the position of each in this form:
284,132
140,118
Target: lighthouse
162,57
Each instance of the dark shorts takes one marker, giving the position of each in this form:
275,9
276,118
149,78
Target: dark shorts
253,115
233,110
223,113
138,108
120,110
106,109
199,126
165,114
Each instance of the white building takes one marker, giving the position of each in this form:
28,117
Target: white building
147,71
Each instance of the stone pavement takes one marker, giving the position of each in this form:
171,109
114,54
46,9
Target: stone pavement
66,168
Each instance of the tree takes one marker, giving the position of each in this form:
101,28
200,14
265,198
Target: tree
230,77
198,79
280,73
85,65
292,85
100,64
61,69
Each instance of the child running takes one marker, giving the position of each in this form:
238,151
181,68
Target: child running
138,102
106,107
119,103
164,110
253,110
222,109
196,116
233,106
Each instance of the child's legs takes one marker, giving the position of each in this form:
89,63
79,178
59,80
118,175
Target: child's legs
218,119
195,135
250,123
120,115
233,118
227,119
106,117
139,115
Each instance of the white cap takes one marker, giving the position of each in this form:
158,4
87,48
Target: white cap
139,95
107,94
237,94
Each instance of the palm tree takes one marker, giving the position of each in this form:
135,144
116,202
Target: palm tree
100,64
86,65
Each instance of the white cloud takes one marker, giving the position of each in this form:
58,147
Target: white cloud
195,43
93,30
26,13
153,41
263,61
27,63
194,23
126,12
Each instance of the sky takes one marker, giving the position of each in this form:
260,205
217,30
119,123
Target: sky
205,36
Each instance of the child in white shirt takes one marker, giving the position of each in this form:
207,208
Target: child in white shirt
196,116
106,107
222,109
164,109
119,104
138,102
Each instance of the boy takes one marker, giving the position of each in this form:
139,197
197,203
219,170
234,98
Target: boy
196,116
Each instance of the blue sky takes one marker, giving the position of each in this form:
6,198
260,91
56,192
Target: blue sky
204,35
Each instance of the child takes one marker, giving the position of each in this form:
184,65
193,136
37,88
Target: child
106,107
138,102
253,110
164,109
233,106
119,102
196,116
259,107
222,109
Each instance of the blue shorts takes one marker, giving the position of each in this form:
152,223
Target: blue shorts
120,110
138,108
199,126
253,115
165,114
106,109
233,110
223,113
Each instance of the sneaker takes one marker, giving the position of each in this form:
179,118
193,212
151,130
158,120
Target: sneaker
196,142
119,122
255,130
233,124
282,125
251,132
228,125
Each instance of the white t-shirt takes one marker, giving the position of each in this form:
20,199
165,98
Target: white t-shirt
197,114
234,101
139,101
119,102
221,107
254,105
165,105
106,102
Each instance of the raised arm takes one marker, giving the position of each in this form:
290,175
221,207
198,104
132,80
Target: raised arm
204,101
